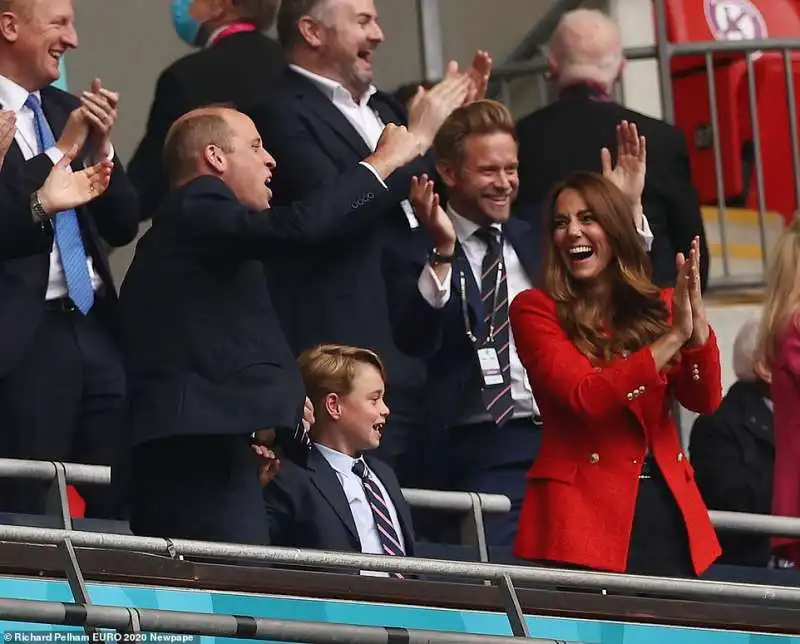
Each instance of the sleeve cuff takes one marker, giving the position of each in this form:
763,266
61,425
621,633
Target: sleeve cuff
54,154
375,172
646,234
435,293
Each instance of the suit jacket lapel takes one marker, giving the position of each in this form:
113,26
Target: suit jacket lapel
383,109
396,495
326,111
325,480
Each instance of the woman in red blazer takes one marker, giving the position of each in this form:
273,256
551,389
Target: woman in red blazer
605,350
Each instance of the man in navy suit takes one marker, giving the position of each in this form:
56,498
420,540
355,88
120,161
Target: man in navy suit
451,308
325,116
341,499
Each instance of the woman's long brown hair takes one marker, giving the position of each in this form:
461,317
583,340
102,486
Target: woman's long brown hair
637,316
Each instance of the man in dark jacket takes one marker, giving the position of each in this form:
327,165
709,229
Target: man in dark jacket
207,363
733,451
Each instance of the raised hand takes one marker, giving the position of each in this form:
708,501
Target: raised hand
100,108
479,73
429,109
396,147
700,328
75,131
427,209
682,319
8,128
64,189
629,173
308,414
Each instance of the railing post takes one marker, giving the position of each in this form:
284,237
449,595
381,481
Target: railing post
519,625
58,500
664,55
472,529
75,579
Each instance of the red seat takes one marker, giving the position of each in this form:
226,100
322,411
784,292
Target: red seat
697,21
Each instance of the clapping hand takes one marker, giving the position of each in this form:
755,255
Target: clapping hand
429,109
64,189
629,173
425,201
100,108
682,320
700,329
268,464
8,128
479,73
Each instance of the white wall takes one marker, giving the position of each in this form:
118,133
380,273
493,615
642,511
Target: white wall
640,78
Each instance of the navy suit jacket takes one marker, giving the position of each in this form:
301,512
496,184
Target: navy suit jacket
439,336
339,276
307,507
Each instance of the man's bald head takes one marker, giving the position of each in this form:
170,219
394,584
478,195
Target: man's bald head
586,46
189,137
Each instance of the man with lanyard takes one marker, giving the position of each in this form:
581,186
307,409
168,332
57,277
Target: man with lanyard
586,60
235,64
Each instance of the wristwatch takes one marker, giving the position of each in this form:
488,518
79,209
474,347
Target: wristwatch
37,210
435,257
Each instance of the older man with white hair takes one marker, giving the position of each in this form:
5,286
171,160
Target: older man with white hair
732,450
586,59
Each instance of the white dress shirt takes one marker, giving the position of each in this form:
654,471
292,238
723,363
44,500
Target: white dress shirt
13,97
437,295
361,116
359,506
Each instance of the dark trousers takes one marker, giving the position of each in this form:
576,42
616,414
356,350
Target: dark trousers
484,458
65,402
198,487
659,543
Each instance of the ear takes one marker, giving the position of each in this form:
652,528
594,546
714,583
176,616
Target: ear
215,158
762,371
447,172
312,31
9,26
333,406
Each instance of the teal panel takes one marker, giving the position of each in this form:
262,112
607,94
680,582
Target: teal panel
366,614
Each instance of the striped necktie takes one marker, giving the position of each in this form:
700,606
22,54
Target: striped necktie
494,293
67,230
390,542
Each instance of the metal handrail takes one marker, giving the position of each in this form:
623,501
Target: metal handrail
136,620
47,471
711,590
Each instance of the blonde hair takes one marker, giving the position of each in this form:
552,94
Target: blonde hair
782,299
331,368
586,46
480,117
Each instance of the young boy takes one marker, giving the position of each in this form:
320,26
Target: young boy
341,499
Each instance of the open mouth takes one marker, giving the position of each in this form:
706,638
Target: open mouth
366,55
378,427
580,253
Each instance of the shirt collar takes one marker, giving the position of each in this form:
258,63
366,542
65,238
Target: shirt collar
465,228
342,463
331,88
13,96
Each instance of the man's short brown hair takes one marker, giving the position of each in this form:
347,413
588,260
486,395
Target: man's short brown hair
480,117
331,369
289,15
260,13
189,136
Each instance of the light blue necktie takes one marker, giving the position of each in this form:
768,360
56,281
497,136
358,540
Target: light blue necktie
68,233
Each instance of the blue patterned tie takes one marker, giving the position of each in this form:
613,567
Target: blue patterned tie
390,542
68,233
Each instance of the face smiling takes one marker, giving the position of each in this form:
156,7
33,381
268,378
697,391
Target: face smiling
45,32
581,241
362,411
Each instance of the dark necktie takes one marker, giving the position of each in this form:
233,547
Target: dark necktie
494,293
67,230
380,512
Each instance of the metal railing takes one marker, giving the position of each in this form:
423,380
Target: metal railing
664,52
137,620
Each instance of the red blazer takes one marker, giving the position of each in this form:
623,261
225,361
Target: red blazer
597,424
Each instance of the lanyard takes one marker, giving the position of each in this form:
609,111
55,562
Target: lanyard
230,30
465,310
